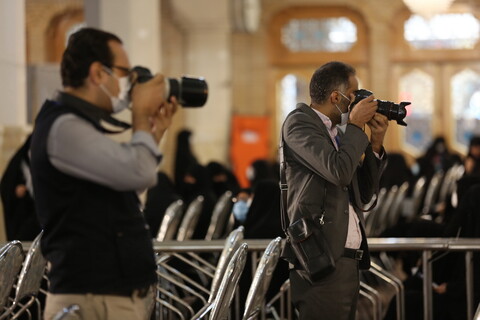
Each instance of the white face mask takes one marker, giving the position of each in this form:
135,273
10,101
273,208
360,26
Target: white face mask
122,101
343,115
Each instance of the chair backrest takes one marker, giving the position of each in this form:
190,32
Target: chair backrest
445,187
262,278
71,312
171,220
417,195
432,192
396,207
230,247
190,220
30,277
457,173
226,291
372,216
381,220
477,313
11,259
220,216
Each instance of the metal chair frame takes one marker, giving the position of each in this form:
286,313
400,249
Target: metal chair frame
372,217
214,273
431,195
170,222
29,281
220,216
396,208
219,307
283,297
263,275
190,219
374,297
418,195
382,214
11,259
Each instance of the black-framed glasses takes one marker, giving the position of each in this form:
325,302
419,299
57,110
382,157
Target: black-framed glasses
125,70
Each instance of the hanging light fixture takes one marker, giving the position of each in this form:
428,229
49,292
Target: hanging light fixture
428,8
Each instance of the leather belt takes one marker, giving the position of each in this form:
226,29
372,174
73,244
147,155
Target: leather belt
353,253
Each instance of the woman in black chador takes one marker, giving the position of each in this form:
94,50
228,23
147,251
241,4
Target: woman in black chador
17,197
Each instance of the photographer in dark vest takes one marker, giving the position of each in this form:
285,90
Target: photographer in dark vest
95,237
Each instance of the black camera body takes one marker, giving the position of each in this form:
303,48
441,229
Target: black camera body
190,92
391,110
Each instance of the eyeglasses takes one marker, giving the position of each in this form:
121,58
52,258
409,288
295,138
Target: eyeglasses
125,71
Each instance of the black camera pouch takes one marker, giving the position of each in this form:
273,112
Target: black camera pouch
311,248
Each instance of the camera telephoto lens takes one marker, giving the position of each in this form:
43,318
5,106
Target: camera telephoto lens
190,92
391,110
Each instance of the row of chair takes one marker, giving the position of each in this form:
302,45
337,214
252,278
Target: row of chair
179,225
426,197
20,279
175,289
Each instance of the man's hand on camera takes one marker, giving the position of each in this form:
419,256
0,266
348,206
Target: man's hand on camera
162,119
363,111
378,127
147,98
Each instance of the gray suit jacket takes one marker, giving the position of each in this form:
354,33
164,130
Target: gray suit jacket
313,164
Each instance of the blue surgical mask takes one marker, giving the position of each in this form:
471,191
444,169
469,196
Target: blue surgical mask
240,210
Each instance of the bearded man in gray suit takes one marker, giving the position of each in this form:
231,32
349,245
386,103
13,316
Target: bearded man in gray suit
331,163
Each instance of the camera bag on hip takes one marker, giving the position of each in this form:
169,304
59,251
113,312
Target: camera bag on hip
310,248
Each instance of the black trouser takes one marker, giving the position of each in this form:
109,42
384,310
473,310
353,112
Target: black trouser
333,298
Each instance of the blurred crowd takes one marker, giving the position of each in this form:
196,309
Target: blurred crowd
440,211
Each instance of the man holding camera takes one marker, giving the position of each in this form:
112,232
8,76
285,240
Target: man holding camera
95,239
332,164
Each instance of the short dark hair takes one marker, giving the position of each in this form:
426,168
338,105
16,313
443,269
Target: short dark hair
327,78
85,47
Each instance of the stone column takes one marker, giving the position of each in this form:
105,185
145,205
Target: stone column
137,23
380,47
13,63
206,30
13,87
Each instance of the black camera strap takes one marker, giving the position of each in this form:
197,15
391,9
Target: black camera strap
283,185
96,116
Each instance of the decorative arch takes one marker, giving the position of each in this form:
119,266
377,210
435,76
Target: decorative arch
418,87
296,20
404,51
465,105
434,66
58,30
